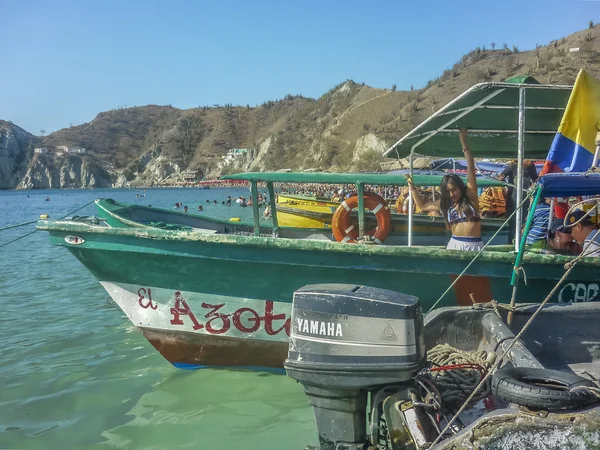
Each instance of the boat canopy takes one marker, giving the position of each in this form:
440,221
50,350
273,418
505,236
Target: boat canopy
350,178
569,184
490,111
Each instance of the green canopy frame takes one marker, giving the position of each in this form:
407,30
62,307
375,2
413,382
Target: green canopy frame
519,111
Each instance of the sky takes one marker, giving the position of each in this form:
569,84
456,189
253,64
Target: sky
63,62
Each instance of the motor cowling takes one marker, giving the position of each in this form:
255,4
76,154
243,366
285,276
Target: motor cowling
347,340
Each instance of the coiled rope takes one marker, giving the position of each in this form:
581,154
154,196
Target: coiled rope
457,373
29,223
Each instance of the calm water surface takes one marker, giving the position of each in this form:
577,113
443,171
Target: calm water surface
76,375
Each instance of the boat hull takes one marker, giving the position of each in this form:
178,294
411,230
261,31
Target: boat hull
192,330
223,300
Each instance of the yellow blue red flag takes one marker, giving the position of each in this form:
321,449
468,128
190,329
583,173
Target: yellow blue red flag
574,145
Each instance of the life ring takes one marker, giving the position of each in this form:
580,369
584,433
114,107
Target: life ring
345,231
546,389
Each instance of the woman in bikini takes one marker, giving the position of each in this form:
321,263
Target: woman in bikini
459,204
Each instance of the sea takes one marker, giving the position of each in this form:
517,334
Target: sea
75,374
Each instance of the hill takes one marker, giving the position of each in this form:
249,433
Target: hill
347,128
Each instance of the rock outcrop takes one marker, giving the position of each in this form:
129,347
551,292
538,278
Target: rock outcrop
149,169
73,171
16,149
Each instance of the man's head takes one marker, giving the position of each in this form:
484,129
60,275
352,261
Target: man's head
583,227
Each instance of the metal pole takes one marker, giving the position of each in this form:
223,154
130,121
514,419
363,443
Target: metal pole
360,191
595,160
254,191
410,203
273,204
520,160
551,215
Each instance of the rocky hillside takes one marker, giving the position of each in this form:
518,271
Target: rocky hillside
346,129
16,150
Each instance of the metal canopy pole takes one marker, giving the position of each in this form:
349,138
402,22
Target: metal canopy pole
273,203
360,191
520,160
410,202
254,191
595,160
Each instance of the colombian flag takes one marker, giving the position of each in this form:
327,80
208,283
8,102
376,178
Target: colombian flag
574,145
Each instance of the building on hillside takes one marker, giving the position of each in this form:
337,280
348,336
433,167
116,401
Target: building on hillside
190,176
231,155
61,148
76,150
41,150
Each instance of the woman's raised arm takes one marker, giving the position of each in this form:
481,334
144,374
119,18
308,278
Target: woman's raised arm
471,176
433,205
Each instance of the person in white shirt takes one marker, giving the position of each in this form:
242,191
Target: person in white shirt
585,232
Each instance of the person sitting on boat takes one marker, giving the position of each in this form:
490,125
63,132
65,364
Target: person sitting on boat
459,204
585,232
557,240
539,227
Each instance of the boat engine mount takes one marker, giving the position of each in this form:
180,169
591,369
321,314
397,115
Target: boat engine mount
348,341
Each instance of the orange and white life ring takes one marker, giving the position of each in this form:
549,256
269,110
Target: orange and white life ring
345,231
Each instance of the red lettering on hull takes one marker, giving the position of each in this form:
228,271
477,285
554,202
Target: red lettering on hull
142,296
182,309
245,320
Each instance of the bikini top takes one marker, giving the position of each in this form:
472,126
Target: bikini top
454,216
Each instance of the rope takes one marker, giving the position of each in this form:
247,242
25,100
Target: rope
479,253
587,213
457,373
31,232
521,270
569,266
18,225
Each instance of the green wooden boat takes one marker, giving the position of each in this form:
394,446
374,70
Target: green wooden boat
217,299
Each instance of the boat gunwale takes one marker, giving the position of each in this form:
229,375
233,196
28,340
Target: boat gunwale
305,244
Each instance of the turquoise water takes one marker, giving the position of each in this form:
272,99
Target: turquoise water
76,375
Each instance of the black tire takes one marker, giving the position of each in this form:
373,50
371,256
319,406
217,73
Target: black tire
542,388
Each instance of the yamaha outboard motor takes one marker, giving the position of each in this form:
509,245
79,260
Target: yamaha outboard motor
347,340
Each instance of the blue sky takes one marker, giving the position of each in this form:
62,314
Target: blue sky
65,61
